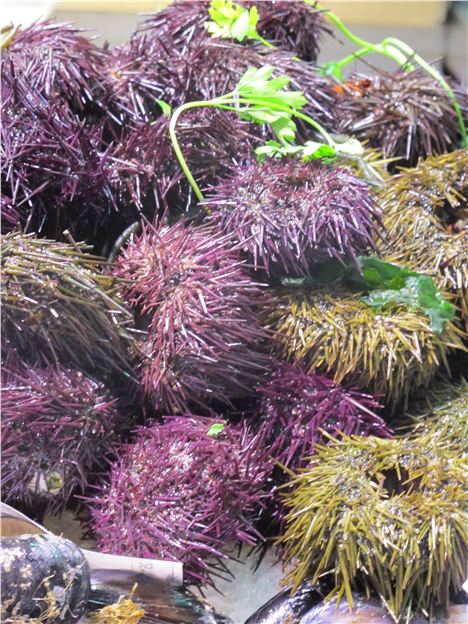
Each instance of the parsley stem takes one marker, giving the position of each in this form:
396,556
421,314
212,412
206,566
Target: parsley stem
230,101
398,51
265,42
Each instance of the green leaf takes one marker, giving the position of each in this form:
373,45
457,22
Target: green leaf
332,69
216,429
232,21
350,147
165,107
314,151
391,284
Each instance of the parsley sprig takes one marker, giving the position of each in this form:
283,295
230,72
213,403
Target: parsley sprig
262,98
233,21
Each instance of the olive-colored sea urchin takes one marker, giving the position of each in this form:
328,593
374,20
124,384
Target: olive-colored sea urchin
405,114
389,515
60,306
58,428
181,491
425,211
390,351
289,215
198,302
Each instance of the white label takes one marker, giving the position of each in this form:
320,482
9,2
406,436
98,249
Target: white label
167,571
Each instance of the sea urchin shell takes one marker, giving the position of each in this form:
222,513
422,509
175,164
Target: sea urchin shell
181,492
289,215
198,302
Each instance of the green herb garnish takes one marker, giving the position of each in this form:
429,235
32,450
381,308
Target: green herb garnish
233,21
216,429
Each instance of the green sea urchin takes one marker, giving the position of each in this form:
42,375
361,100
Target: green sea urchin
181,491
390,352
425,212
389,515
59,306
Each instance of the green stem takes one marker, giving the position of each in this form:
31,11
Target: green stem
228,102
398,51
176,146
265,42
428,68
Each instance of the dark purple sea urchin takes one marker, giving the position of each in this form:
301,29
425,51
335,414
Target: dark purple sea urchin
198,303
405,115
56,61
288,215
296,407
182,491
289,25
58,427
54,169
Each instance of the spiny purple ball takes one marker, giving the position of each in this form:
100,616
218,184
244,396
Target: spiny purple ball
55,170
296,407
288,25
56,61
59,427
213,143
408,115
181,492
204,334
288,215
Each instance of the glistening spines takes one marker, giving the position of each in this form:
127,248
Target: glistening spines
59,429
291,26
55,168
425,213
198,303
389,352
289,215
296,407
58,62
407,115
182,491
61,306
389,515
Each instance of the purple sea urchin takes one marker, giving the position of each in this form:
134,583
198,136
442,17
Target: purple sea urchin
289,215
426,214
58,427
405,115
291,25
204,335
213,143
389,352
59,306
55,60
182,491
54,169
297,407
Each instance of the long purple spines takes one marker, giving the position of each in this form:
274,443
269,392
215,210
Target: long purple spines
198,302
181,493
58,429
296,407
288,215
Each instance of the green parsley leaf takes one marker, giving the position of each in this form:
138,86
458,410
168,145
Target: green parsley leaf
232,21
216,429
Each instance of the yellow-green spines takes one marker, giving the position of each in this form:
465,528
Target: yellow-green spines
390,515
391,351
426,218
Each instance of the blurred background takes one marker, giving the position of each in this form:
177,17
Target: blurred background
436,29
